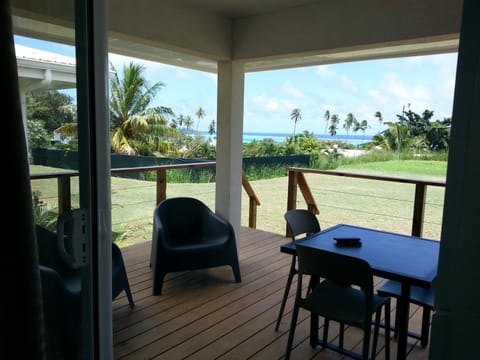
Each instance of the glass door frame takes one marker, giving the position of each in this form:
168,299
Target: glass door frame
91,43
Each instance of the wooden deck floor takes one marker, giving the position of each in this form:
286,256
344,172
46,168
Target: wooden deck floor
206,315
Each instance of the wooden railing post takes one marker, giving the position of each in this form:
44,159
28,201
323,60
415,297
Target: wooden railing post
252,204
307,194
64,194
252,214
291,194
297,178
161,185
418,209
292,189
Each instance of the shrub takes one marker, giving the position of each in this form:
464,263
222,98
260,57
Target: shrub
42,213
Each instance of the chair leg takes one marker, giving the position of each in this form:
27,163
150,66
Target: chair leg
326,324
367,330
291,274
158,283
236,272
425,327
341,335
375,333
387,330
397,320
291,333
129,296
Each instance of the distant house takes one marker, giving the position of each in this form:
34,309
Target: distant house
43,70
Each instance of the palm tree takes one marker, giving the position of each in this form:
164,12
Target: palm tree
180,121
212,128
188,122
379,117
200,115
69,129
130,115
326,116
349,121
395,138
334,121
363,127
295,116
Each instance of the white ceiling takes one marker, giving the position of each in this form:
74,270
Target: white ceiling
264,34
235,9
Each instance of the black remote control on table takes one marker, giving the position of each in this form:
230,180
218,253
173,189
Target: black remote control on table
348,241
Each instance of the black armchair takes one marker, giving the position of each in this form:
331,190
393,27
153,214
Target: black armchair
61,298
62,293
119,276
187,235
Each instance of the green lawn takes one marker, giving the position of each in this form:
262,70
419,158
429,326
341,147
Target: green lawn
418,169
377,204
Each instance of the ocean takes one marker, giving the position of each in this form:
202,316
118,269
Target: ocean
353,139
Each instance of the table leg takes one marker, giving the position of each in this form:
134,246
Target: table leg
314,330
403,307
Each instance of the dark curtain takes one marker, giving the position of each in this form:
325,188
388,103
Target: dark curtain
21,311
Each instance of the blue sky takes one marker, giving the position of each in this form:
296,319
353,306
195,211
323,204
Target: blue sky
362,88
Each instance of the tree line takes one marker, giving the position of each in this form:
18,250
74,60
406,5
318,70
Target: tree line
410,132
138,128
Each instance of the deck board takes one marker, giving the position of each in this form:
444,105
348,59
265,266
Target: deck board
204,314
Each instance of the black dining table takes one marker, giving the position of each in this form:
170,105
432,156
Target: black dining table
407,259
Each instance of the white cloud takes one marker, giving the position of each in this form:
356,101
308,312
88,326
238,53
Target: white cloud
329,107
348,84
414,60
272,105
417,95
291,90
379,98
325,70
266,103
259,99
289,105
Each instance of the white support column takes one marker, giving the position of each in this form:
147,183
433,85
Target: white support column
228,195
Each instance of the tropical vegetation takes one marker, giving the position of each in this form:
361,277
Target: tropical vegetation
138,128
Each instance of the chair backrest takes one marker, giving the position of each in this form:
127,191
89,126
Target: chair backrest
339,268
181,217
301,221
48,254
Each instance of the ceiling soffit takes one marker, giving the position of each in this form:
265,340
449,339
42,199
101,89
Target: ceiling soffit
262,41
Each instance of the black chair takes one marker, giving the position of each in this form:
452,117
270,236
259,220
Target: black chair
419,296
50,256
187,235
352,305
61,297
119,276
299,222
61,302
62,293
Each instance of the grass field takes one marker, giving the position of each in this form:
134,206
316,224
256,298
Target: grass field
376,204
417,169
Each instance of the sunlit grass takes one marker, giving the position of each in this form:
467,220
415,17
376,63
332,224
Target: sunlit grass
417,169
